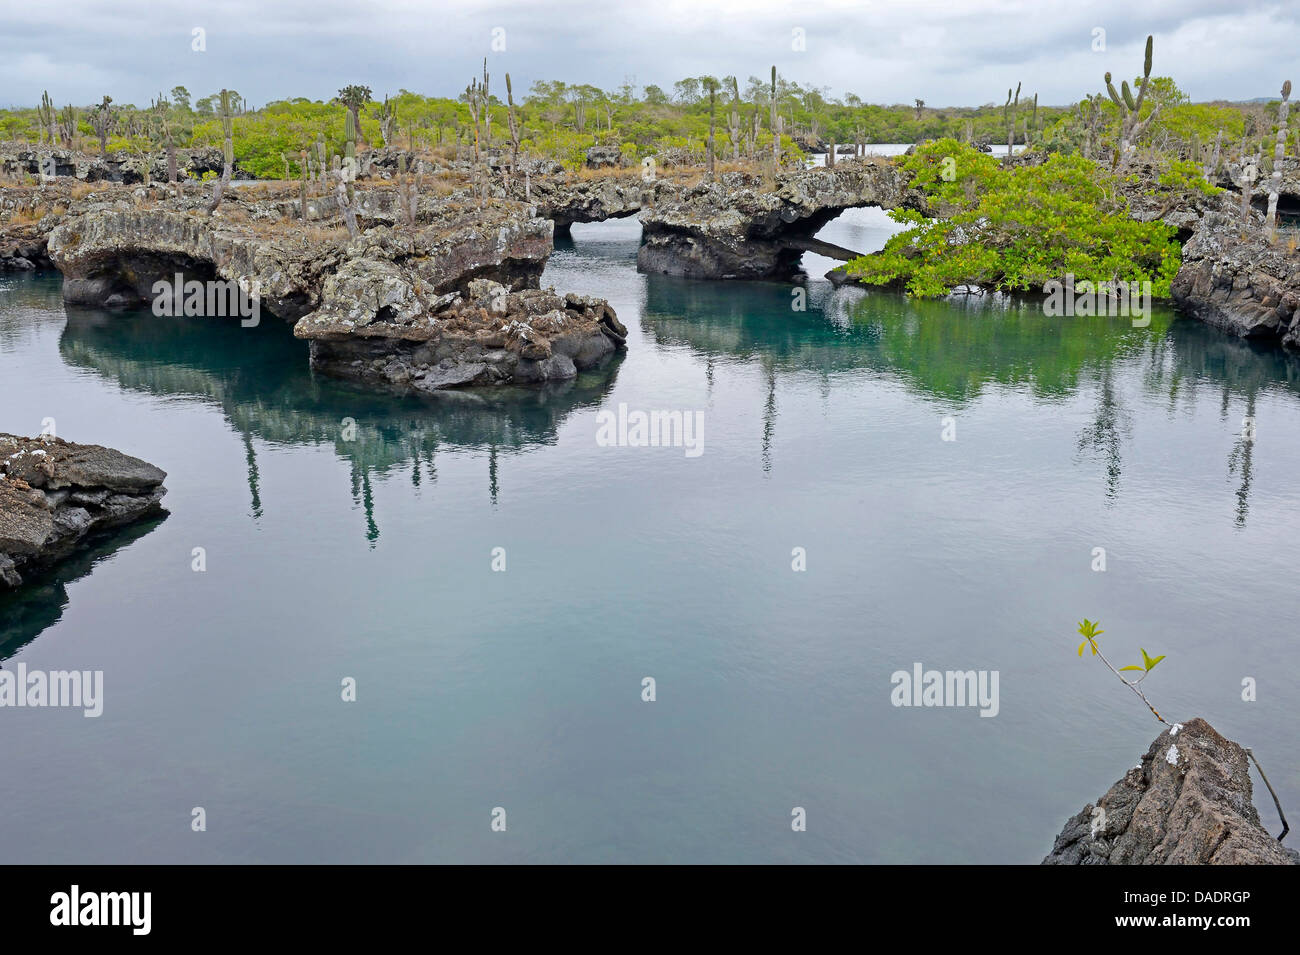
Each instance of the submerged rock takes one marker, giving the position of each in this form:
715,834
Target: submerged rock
53,494
1187,803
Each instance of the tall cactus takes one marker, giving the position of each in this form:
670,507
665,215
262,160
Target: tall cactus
1279,151
713,119
387,120
776,136
1132,126
408,193
101,120
345,192
67,126
302,185
322,160
48,118
514,127
733,121
227,154
1009,117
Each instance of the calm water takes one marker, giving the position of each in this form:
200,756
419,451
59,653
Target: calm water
371,559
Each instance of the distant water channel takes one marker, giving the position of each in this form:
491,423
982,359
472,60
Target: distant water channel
372,559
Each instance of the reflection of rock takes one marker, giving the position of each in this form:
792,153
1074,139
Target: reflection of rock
260,380
54,494
28,611
1187,803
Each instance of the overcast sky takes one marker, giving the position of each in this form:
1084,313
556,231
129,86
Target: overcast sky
955,52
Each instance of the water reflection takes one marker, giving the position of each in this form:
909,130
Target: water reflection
956,350
27,612
261,381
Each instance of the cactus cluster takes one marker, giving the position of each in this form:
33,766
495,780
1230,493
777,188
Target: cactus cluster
48,117
1132,126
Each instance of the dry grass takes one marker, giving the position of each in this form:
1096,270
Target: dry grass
27,216
79,190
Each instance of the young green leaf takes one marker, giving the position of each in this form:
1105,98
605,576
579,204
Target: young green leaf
1148,661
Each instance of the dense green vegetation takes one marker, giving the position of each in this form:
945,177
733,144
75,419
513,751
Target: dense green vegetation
561,121
556,119
1016,227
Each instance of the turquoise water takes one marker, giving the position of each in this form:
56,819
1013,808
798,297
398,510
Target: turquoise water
372,559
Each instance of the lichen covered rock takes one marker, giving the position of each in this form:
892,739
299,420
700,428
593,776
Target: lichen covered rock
54,494
404,338
1188,802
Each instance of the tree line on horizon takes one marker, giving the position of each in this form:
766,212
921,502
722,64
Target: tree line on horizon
561,121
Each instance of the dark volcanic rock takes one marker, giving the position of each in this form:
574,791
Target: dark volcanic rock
489,335
1187,803
53,494
1233,278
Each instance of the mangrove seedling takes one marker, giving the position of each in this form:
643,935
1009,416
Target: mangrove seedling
1088,629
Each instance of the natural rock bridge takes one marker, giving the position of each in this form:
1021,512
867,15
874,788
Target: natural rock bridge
735,227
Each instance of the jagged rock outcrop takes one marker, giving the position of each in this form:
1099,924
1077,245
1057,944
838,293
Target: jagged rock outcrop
28,159
451,302
602,157
1187,803
382,326
1233,278
734,228
55,494
22,249
113,253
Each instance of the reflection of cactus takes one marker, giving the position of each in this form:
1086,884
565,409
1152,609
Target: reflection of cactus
1132,126
1279,151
